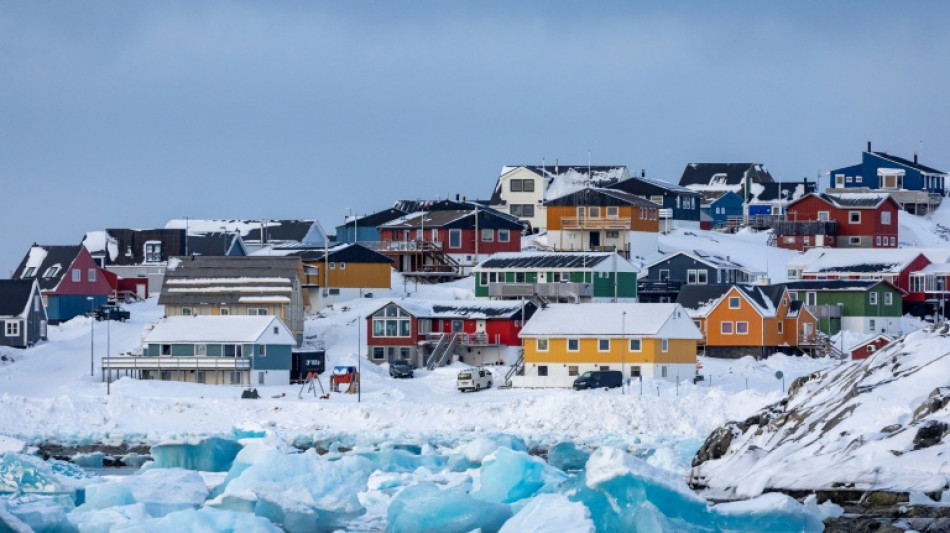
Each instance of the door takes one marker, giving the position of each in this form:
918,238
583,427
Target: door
594,240
140,291
479,326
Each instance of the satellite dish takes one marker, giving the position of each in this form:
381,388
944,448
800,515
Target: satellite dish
778,374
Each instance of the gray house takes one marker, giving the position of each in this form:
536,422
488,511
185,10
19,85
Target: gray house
22,314
664,277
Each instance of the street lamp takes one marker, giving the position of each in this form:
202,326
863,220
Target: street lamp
92,336
623,352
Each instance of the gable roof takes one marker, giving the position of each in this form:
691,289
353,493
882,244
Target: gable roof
601,197
553,260
711,259
856,200
907,163
347,252
780,191
872,340
250,230
15,296
229,280
725,174
462,309
608,319
464,219
224,329
563,179
374,219
700,299
215,243
42,258
838,285
643,185
862,260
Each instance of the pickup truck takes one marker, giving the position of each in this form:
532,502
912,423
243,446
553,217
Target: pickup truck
112,312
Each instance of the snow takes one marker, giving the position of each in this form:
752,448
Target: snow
35,260
593,319
208,328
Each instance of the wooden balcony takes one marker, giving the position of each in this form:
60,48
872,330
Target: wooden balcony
586,223
469,339
805,227
544,290
414,245
140,362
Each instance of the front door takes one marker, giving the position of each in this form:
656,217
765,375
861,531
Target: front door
594,240
479,326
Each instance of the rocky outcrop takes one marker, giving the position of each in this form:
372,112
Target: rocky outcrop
878,425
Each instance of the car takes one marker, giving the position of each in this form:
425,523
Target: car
400,369
474,379
596,379
112,312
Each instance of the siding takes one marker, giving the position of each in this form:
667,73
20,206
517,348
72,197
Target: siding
680,351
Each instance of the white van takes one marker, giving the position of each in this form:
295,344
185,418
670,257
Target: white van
474,379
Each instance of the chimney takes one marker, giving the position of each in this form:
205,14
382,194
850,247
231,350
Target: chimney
869,146
915,158
456,197
643,172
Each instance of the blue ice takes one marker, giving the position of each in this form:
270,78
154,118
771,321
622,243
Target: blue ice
508,476
213,454
39,512
204,520
567,457
426,507
397,460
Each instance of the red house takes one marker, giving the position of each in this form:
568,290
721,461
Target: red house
70,280
422,331
868,347
466,236
845,220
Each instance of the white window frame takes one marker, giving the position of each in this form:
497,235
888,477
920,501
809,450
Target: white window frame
702,277
872,298
737,300
77,275
664,345
781,327
613,211
542,345
888,298
824,216
488,235
577,344
854,217
746,324
504,235
91,275
886,218
600,345
12,328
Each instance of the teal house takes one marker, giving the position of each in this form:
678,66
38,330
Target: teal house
557,277
243,350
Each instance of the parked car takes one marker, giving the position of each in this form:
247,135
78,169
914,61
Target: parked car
112,312
596,379
474,379
400,369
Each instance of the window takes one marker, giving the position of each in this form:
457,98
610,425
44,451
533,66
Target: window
519,277
153,252
542,370
781,327
823,216
404,353
391,321
261,350
691,277
854,217
858,179
733,302
603,345
333,292
613,212
702,277
888,298
342,265
542,345
516,185
225,311
573,345
792,273
257,311
664,274
581,212
77,275
504,235
594,212
885,218
893,241
28,273
850,179
235,378
165,349
871,324
811,298
657,199
165,375
332,265
455,238
488,235
572,371
201,350
52,271
664,345
872,298
635,371
877,240
91,274
613,234
854,240
725,328
635,345
186,311
742,328
379,353
12,328
522,210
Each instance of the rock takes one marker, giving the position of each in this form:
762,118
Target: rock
929,434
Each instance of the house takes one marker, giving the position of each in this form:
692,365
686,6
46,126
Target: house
917,188
722,206
933,281
562,341
365,227
23,317
895,265
740,320
70,281
226,286
860,306
339,273
663,278
427,332
556,277
603,220
683,204
845,220
723,176
256,234
445,242
772,199
218,350
868,347
524,190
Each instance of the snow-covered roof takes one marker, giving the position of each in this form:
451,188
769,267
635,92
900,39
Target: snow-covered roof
709,258
459,309
100,242
596,261
600,319
223,329
854,200
882,260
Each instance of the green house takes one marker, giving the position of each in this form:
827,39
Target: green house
557,277
861,306
223,350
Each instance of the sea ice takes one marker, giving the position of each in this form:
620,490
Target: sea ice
550,513
28,473
470,454
508,476
205,519
41,513
92,520
89,460
397,460
161,491
567,457
426,507
213,454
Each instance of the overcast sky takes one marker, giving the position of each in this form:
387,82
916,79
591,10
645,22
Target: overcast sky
127,114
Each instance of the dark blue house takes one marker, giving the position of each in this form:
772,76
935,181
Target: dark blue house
902,177
684,203
773,198
364,227
720,205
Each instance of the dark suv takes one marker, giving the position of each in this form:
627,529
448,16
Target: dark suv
400,369
112,312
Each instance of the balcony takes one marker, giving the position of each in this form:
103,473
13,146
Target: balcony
805,227
659,287
825,311
139,362
414,245
586,223
544,290
468,339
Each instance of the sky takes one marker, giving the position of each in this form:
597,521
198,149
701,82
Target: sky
128,114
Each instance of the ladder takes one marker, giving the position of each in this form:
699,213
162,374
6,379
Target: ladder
515,369
310,381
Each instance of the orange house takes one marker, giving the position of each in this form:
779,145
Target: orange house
601,220
739,320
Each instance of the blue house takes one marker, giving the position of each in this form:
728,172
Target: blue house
773,198
720,205
918,188
682,202
364,227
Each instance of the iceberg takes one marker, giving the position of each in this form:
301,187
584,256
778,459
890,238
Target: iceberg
28,473
397,460
206,519
40,513
566,456
548,513
426,507
213,454
508,476
92,520
160,491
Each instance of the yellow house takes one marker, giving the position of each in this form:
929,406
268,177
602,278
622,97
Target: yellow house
652,340
342,273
